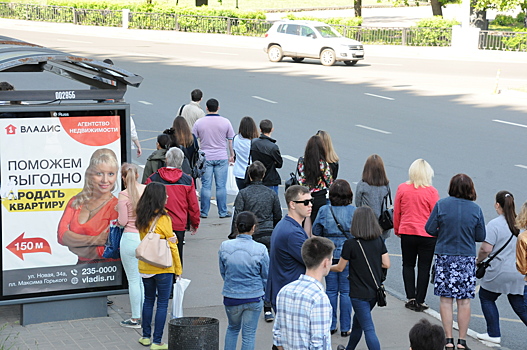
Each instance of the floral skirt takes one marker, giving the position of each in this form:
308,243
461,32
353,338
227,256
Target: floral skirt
455,276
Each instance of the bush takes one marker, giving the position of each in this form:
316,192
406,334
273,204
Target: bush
436,22
343,21
516,42
504,20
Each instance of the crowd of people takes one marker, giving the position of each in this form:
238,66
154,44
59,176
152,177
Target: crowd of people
277,264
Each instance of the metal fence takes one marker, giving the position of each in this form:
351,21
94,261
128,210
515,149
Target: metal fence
398,36
414,36
503,41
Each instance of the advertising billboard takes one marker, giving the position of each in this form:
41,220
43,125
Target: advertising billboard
59,173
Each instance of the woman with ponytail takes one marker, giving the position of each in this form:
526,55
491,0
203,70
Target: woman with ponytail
501,277
126,206
244,265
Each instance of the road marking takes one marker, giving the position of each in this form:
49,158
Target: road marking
263,99
379,96
75,41
509,123
220,53
145,102
521,166
372,129
291,158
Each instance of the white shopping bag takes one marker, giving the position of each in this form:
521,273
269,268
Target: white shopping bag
177,300
232,188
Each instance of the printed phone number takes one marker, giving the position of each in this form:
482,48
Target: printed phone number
96,270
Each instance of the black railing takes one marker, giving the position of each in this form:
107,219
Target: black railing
503,41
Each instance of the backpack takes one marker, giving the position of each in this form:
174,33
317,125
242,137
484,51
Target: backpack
198,168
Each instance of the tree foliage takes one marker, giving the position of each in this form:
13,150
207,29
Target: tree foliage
500,5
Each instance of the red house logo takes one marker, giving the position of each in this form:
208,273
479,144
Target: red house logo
10,129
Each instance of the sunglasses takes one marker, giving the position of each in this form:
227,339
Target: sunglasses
306,202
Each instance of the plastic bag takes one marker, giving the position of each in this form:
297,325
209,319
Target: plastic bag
232,188
177,301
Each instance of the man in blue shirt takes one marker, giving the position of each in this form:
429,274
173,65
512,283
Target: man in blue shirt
303,310
286,263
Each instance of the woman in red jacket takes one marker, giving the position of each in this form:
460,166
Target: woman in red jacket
414,202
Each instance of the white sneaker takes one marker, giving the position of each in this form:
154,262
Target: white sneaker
486,337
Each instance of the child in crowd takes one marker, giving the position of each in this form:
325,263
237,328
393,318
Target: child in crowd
426,336
157,159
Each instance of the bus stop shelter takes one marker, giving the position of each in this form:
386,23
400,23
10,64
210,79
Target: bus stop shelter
48,139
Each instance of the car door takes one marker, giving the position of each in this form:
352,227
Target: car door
289,38
308,44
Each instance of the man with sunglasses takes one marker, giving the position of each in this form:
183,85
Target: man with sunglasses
286,263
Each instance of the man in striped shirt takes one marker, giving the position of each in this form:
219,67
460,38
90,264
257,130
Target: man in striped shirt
303,310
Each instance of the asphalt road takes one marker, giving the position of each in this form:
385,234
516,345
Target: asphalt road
400,108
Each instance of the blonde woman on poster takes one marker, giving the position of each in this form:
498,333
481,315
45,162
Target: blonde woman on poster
83,227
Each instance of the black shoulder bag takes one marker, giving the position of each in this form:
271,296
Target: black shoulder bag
292,177
482,266
381,293
386,217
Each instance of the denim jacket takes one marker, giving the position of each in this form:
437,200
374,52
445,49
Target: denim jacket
458,224
244,265
326,226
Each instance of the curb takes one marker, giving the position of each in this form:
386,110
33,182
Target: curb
471,333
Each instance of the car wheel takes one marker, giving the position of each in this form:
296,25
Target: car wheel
275,53
327,57
298,59
350,63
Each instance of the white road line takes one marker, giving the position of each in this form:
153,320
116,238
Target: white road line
509,123
372,129
145,102
263,99
521,166
291,158
220,53
379,96
75,41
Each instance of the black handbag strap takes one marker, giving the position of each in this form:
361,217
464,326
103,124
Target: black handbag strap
499,250
369,267
346,234
384,203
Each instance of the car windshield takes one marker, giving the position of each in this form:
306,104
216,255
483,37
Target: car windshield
327,32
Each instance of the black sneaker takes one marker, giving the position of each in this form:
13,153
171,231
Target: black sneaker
268,316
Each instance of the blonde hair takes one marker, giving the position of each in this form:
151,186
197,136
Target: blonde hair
129,174
420,174
100,156
331,155
521,219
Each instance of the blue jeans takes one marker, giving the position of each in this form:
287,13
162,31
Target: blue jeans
274,188
162,283
490,311
219,169
244,317
129,242
337,282
362,321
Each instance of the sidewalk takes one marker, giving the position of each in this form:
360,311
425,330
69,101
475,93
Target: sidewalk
202,298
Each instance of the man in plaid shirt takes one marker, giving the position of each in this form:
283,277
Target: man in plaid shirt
303,310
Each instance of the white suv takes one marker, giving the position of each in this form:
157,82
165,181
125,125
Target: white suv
310,39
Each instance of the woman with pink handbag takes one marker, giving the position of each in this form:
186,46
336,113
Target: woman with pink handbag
152,218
